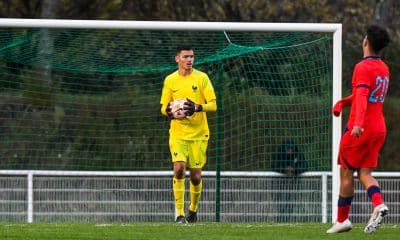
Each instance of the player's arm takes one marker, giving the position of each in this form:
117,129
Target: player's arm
345,102
192,107
166,110
166,97
359,76
361,101
210,106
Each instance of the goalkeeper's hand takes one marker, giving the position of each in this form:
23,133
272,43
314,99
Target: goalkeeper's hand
190,107
168,111
337,109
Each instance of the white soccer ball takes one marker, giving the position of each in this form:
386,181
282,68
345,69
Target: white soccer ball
177,108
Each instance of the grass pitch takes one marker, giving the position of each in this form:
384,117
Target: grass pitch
198,231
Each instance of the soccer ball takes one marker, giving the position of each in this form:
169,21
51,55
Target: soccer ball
177,108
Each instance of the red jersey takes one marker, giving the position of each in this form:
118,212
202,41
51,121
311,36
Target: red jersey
369,86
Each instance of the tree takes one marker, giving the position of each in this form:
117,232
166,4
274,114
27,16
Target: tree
381,9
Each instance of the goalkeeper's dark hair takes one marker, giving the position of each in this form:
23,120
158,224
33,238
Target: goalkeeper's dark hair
180,48
378,38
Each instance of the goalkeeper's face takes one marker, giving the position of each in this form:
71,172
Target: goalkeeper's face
185,59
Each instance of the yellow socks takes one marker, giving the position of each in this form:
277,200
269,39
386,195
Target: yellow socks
178,187
195,194
179,195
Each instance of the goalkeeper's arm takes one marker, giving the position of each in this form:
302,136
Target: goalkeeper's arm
210,106
191,107
166,110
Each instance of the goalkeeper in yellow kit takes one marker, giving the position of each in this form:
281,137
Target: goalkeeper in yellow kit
188,137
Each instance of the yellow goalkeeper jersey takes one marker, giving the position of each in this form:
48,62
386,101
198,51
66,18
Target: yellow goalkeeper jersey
198,88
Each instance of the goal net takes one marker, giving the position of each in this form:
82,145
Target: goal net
84,96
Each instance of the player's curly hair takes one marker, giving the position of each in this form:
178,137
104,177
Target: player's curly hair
378,38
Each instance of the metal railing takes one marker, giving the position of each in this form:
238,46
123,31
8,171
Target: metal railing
36,195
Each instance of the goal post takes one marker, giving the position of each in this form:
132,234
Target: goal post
336,122
98,109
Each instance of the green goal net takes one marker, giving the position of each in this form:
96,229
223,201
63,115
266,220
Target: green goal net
85,99
88,99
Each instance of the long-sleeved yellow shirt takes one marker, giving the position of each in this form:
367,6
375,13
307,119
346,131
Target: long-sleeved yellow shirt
198,88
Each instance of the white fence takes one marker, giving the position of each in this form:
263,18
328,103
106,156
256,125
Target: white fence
147,197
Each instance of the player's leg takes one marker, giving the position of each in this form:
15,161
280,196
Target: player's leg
178,187
346,194
197,160
196,187
177,148
374,193
347,157
371,184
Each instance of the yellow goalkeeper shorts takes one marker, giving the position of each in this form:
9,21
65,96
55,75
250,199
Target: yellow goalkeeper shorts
193,153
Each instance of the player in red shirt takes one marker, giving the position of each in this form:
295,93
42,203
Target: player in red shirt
365,132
